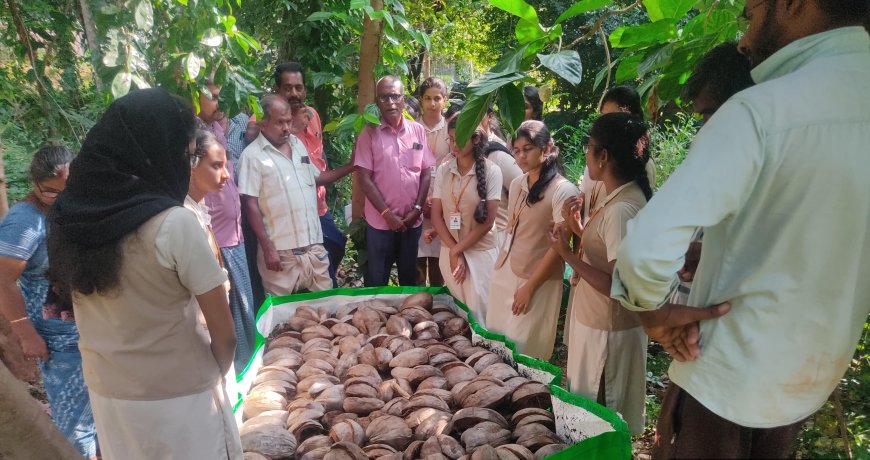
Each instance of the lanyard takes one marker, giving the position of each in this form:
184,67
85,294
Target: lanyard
453,196
523,203
594,214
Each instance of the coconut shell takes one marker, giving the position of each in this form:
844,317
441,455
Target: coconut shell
500,370
368,321
332,398
429,422
484,452
313,367
390,430
423,372
271,356
344,329
397,344
421,401
411,358
270,441
537,419
398,325
316,331
416,315
261,401
345,451
304,429
315,384
349,431
442,445
284,341
362,390
453,327
519,415
412,452
548,450
395,406
259,421
379,451
254,456
419,299
485,433
519,452
362,370
433,382
531,394
464,419
312,443
362,406
315,454
351,344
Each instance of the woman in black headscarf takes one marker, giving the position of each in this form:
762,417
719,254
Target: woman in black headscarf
140,271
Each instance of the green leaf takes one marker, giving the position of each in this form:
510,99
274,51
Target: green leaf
490,82
511,107
627,69
112,58
359,123
403,23
144,15
211,37
319,16
358,4
655,60
322,78
528,31
121,84
517,8
565,64
511,61
583,6
192,65
654,9
602,74
372,114
663,9
388,17
643,34
470,117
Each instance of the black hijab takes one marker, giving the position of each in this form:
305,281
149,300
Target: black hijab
132,165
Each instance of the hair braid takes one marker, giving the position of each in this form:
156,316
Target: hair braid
479,152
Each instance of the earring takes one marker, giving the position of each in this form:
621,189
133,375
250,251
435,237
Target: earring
600,165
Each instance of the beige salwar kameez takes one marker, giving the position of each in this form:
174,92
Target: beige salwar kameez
607,344
534,332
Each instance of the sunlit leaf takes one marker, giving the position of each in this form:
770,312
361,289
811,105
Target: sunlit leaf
511,106
319,16
583,6
517,8
643,34
565,64
211,37
140,82
144,15
493,81
121,84
192,64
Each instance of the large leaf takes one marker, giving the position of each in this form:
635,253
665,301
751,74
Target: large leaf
140,82
144,15
528,31
358,4
517,8
565,64
583,6
469,119
121,84
663,9
211,37
192,65
319,16
511,61
627,68
322,78
643,34
655,60
493,81
511,106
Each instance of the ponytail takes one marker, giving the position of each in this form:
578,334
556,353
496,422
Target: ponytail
626,138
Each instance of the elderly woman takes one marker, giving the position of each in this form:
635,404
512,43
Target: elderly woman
42,321
141,272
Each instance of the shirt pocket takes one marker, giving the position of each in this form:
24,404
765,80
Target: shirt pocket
411,159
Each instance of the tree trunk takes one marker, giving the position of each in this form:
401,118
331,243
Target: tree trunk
87,19
4,200
369,56
25,428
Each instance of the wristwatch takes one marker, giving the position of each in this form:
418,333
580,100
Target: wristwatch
418,207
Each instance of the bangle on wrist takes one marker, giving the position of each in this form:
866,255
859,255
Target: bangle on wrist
385,211
23,318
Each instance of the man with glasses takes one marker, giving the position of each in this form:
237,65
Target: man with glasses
394,164
778,180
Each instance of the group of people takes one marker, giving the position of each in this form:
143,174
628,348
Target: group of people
163,228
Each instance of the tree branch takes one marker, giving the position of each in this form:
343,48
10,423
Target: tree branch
609,65
600,22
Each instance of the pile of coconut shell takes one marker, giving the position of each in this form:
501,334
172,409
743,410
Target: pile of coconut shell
377,380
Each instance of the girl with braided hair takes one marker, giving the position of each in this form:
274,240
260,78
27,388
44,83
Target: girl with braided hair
464,208
607,346
526,289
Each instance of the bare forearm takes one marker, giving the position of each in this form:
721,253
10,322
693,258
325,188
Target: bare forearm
550,260
599,280
423,191
333,175
251,207
11,302
371,191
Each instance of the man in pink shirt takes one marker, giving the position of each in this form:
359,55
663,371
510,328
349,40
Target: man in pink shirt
394,164
290,85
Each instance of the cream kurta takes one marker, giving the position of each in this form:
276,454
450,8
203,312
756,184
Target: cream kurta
606,339
437,139
534,333
509,171
458,193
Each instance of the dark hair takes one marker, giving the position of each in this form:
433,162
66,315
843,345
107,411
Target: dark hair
534,99
626,138
478,149
205,140
48,160
288,67
432,82
723,71
846,12
412,105
454,109
626,98
537,133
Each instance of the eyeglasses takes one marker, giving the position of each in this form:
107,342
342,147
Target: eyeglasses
48,193
390,97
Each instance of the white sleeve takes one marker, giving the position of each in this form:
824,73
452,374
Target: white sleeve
564,191
249,174
493,182
711,185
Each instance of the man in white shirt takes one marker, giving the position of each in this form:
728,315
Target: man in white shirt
277,182
778,180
